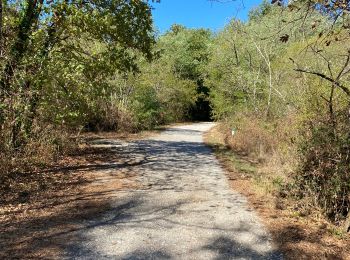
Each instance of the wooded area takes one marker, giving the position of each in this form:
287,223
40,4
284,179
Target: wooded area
281,80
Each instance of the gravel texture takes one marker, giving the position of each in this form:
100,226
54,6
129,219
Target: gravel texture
184,208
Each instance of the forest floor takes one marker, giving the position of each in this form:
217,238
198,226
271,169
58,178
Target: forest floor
163,196
152,186
298,235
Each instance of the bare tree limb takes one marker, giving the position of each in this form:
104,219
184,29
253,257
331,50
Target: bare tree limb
342,87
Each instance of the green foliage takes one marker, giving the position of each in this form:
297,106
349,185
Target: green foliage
147,108
187,49
281,78
188,52
324,170
71,55
287,65
92,65
59,61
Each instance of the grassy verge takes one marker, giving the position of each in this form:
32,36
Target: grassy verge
299,234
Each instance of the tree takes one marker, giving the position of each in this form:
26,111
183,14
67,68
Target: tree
188,50
52,33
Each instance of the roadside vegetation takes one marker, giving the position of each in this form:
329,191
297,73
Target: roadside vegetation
299,229
69,67
278,83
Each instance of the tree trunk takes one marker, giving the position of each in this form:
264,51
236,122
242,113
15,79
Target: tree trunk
346,225
236,54
23,121
31,16
1,28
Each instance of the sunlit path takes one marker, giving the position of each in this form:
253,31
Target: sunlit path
184,208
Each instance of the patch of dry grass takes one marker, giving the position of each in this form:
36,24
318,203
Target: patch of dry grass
38,222
300,235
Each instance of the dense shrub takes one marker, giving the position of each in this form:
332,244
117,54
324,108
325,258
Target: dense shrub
252,137
324,172
44,146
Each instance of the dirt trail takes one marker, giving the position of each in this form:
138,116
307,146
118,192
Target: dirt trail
183,207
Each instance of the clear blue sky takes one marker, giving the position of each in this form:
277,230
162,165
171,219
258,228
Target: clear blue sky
200,13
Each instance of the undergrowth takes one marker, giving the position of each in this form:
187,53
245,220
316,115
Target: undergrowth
311,174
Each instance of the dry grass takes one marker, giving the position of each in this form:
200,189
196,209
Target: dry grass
299,235
38,223
251,139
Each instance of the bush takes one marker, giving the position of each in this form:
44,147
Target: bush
111,116
146,108
324,172
44,146
251,137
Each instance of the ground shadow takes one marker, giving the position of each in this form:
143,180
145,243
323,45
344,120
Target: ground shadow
72,214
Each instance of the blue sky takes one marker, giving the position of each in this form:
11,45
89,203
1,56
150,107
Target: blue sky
200,13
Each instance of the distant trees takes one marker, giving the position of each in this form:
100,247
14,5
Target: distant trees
189,50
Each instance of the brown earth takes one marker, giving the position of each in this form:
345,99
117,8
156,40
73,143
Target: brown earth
39,210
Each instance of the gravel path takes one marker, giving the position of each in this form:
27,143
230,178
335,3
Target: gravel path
184,209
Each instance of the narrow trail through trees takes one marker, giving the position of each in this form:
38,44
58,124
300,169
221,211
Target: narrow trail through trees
183,207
